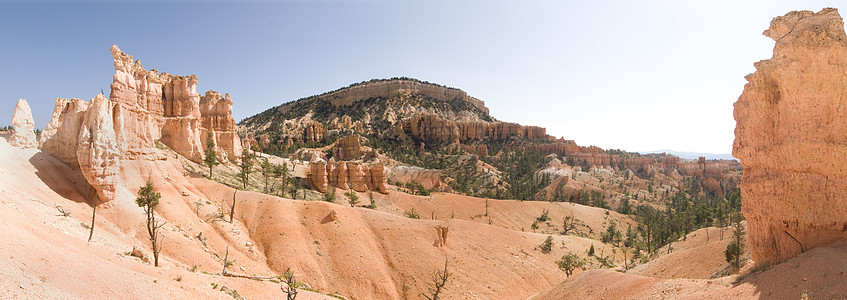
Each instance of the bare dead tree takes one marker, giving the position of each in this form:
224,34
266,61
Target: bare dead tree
289,286
232,208
439,280
93,194
62,211
226,261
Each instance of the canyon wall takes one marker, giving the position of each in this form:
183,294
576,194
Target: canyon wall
435,130
791,138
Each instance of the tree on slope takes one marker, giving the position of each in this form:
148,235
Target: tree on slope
211,158
148,199
246,167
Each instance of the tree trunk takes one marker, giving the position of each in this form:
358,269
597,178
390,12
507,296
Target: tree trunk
93,214
232,208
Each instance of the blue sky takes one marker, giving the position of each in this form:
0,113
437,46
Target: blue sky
635,75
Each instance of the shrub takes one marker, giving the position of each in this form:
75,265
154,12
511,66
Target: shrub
412,213
570,262
547,245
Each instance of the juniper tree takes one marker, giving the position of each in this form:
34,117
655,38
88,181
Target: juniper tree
246,167
211,158
148,199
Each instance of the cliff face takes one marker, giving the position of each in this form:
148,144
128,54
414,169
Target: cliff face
168,108
144,107
791,138
432,129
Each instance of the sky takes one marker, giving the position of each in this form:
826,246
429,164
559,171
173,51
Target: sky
632,75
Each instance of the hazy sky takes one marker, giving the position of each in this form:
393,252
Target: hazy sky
634,75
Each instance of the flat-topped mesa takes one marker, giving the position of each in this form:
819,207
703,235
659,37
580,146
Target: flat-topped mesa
435,130
168,108
389,88
24,135
791,138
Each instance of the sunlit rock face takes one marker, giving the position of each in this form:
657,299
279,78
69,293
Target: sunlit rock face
791,138
168,108
24,135
144,107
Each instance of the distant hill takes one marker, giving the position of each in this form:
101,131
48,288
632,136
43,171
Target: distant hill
693,155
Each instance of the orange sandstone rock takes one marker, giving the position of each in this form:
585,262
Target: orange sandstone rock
791,138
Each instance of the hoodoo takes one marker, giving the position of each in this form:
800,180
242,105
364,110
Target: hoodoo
24,135
791,138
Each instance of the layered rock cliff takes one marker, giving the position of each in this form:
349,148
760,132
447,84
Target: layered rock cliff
791,138
168,108
24,135
144,107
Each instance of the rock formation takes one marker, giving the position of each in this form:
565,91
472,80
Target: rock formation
167,107
791,138
143,107
433,129
318,175
347,175
24,135
347,148
216,118
97,149
83,134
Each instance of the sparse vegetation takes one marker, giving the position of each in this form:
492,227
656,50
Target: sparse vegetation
412,214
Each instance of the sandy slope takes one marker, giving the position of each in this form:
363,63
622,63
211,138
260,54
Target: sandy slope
365,254
818,274
700,255
46,256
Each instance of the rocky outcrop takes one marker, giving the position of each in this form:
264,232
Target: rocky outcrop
216,118
167,107
61,136
347,148
358,178
144,107
347,175
24,135
430,179
318,175
378,181
314,132
97,149
433,129
83,134
791,138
